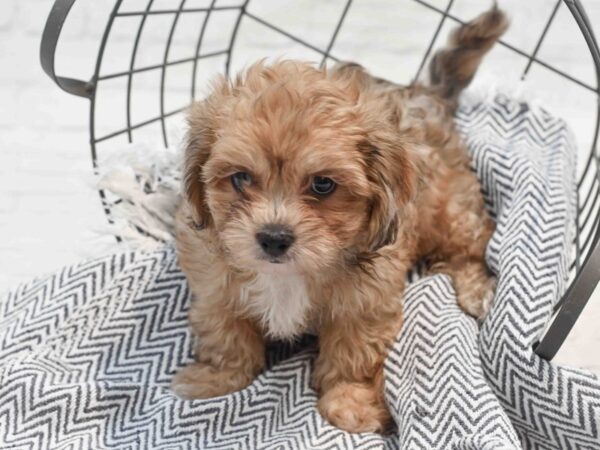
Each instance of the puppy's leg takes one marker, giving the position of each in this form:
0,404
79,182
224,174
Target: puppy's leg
349,370
229,350
473,284
230,353
465,229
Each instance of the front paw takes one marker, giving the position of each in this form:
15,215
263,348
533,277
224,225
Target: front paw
355,407
199,380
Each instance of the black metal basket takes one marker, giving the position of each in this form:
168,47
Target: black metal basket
585,268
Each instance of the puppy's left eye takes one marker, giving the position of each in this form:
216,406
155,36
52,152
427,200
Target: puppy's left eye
241,180
322,186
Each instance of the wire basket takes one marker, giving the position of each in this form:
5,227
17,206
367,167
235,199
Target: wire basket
221,35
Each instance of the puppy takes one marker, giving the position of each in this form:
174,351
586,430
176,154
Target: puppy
309,194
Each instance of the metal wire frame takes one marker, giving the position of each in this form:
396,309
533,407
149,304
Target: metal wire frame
586,263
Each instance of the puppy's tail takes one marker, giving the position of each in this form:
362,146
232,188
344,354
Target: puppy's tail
453,67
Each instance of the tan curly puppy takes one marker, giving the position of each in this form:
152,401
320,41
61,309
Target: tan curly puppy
309,194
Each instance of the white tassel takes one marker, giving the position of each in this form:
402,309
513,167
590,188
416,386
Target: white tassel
146,180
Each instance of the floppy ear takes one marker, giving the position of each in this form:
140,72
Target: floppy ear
203,119
392,179
199,141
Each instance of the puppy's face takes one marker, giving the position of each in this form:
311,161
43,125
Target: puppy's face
283,165
286,200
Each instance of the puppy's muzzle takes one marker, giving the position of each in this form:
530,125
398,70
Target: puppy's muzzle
275,240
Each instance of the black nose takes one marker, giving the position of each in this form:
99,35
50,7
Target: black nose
275,240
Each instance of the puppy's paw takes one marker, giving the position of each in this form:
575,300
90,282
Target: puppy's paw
355,407
199,380
476,298
475,286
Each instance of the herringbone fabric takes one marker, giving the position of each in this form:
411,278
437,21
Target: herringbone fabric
529,181
86,355
435,384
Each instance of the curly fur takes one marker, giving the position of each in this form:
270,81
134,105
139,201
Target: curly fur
404,192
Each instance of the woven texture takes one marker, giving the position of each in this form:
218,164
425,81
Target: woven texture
87,355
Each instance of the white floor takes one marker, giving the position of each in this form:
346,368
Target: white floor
50,212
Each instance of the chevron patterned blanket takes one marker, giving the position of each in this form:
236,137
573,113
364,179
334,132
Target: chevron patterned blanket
86,355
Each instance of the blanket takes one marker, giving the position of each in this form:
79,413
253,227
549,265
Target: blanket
87,354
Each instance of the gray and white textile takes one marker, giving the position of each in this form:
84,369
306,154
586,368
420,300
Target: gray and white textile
86,355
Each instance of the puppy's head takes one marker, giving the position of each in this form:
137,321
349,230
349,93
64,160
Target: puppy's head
296,169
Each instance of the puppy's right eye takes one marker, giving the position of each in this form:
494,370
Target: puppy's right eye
241,180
